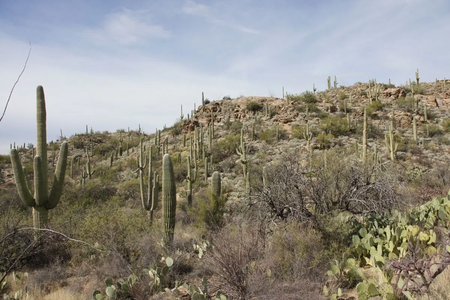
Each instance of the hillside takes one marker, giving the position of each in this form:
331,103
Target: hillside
308,207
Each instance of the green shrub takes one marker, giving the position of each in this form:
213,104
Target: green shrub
298,131
225,147
306,97
335,126
208,210
4,160
324,139
270,135
446,125
311,107
254,106
115,229
418,89
234,127
373,107
177,128
296,251
432,129
78,142
129,189
406,103
342,95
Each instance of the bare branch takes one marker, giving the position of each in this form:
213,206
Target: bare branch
18,78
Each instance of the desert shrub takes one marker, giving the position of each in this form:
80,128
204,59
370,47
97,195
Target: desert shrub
78,142
324,139
233,258
372,130
342,185
4,160
177,128
226,98
432,129
418,89
406,103
115,229
306,97
103,149
235,127
270,135
335,126
180,169
299,131
342,95
99,192
208,209
446,125
130,189
296,252
254,106
225,147
311,107
373,107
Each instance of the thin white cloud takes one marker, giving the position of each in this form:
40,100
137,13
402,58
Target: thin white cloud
201,10
127,27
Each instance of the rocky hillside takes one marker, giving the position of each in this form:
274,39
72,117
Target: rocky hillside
406,135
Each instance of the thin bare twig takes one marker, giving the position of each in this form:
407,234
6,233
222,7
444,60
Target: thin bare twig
36,241
18,78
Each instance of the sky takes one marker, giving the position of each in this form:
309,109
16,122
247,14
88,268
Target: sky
119,64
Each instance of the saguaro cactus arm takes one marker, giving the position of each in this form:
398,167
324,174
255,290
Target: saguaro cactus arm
21,182
216,183
58,178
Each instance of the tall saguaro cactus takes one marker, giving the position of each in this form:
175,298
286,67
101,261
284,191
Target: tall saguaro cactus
242,152
150,202
216,183
169,201
190,178
42,200
364,141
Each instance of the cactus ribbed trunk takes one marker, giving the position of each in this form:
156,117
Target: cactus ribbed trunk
41,146
168,198
364,142
216,184
42,201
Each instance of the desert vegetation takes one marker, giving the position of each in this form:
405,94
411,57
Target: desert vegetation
338,194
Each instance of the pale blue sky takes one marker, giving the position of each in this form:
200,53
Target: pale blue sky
117,64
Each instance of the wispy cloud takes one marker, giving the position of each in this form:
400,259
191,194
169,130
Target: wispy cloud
111,67
127,27
201,10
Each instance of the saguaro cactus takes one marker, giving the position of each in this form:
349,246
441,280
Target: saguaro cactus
150,202
242,152
42,201
169,201
364,141
190,178
391,145
216,184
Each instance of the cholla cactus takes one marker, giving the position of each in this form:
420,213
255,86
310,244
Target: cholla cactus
42,200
